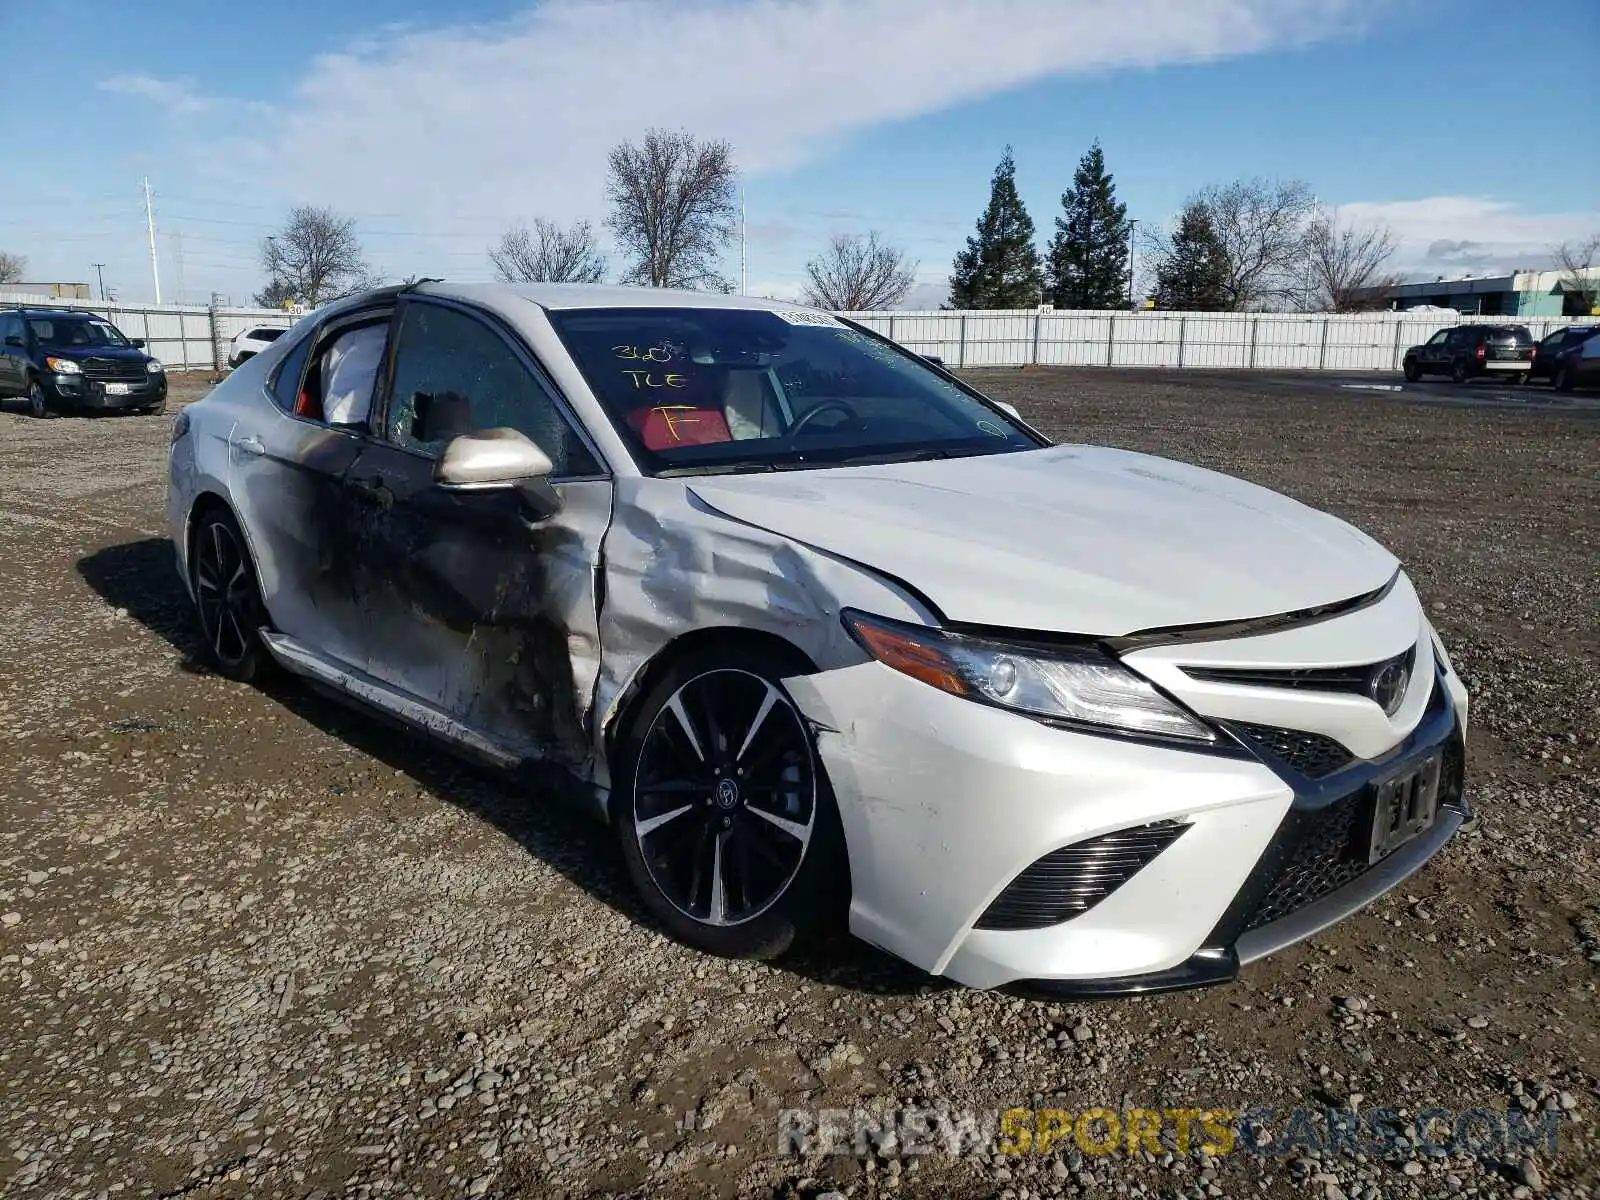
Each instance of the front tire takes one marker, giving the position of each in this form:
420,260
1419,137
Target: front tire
723,810
38,400
227,598
1411,371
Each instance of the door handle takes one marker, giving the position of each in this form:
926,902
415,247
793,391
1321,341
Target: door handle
251,445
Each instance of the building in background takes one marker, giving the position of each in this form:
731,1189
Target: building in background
1520,294
45,291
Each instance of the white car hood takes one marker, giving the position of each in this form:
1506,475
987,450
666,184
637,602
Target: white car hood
1070,539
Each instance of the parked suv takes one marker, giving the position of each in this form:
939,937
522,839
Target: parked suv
247,343
61,359
1467,351
1561,348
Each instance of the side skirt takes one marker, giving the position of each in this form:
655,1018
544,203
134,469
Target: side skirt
346,681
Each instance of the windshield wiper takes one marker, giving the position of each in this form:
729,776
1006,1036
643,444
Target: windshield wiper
893,456
729,467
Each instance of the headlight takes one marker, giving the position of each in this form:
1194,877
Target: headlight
153,367
63,366
1074,685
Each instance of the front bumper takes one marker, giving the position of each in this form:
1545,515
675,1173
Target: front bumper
944,803
80,392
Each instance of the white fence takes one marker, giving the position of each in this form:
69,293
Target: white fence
1228,341
194,337
183,336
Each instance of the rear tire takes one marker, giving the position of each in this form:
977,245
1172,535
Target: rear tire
722,807
1411,371
227,598
1459,372
38,400
156,409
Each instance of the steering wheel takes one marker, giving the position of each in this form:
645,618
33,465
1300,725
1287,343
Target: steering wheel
821,406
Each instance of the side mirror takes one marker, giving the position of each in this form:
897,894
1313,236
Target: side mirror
136,343
934,359
498,460
14,340
1007,407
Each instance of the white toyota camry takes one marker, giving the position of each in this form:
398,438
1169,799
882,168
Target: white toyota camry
826,634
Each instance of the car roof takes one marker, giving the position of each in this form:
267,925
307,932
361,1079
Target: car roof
58,312
565,296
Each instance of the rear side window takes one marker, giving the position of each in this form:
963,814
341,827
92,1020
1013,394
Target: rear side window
286,384
268,333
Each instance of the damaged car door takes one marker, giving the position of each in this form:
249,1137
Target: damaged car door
479,598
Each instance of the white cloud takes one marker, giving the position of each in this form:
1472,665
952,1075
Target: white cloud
1451,235
178,97
515,118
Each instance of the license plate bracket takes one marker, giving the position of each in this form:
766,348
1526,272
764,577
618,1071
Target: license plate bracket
1404,805
116,389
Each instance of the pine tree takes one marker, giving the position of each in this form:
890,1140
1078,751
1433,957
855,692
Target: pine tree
1089,255
1000,266
1192,275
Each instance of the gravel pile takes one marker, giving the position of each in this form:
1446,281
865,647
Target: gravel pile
254,945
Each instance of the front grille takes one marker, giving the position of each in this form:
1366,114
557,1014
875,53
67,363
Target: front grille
1073,879
1324,853
1314,755
113,370
1354,680
1317,851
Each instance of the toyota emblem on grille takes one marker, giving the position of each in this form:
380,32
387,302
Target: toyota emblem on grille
1387,687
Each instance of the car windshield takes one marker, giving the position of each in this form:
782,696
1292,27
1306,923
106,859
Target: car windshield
724,389
267,335
75,331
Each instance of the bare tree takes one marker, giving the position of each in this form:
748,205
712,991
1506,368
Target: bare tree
11,267
316,258
672,208
858,273
549,254
1260,226
1580,272
1347,262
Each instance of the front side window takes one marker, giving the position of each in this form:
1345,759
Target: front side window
453,374
747,389
75,331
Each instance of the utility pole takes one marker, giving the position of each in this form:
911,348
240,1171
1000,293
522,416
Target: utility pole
100,273
741,242
150,228
1132,222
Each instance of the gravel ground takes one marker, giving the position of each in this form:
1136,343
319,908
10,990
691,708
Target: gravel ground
254,945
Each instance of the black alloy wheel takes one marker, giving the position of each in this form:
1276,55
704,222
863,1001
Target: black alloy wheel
726,819
227,598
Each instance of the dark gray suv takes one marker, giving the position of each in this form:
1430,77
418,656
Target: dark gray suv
66,359
1468,351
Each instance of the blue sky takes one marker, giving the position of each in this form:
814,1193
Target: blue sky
438,125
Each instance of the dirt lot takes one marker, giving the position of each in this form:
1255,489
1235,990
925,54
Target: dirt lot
253,945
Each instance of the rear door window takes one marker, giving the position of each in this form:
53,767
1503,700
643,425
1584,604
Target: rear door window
286,383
